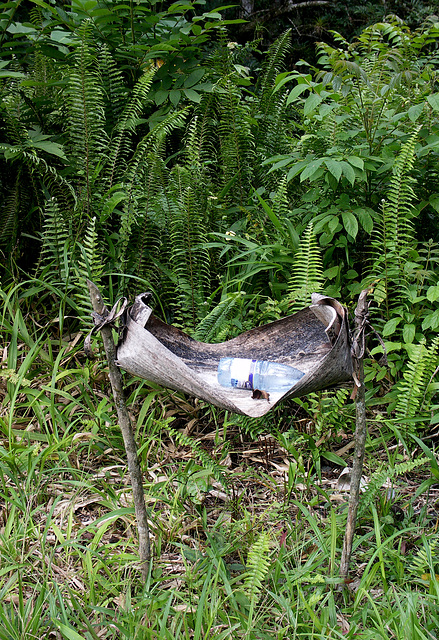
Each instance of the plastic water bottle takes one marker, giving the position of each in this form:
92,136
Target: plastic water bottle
243,373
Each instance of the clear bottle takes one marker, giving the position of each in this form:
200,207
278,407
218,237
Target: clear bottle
244,373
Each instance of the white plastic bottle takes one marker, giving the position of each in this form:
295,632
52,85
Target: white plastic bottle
243,373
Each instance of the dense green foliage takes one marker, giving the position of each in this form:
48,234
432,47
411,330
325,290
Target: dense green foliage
143,149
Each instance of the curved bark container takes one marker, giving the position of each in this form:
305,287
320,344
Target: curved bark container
315,340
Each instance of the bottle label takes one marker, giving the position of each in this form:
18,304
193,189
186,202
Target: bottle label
241,373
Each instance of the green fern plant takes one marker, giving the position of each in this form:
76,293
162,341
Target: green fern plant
216,325
56,245
307,271
88,139
217,470
136,174
113,87
88,266
257,567
414,391
189,257
273,116
235,138
393,238
121,143
387,474
425,558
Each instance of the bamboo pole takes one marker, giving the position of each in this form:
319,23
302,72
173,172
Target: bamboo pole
124,420
358,346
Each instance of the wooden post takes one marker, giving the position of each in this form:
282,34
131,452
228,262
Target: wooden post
360,430
127,431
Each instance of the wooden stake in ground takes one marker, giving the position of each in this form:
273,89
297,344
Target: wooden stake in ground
102,314
358,348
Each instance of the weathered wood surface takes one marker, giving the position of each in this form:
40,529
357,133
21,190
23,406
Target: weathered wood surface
315,340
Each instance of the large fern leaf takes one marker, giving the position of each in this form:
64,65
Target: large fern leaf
413,389
307,271
85,113
258,564
394,236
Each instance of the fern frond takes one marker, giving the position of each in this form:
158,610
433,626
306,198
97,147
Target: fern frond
236,140
10,213
394,237
275,62
307,271
217,470
120,146
281,205
135,176
257,427
190,258
113,86
85,112
379,478
271,104
56,245
88,266
425,557
215,326
258,565
412,388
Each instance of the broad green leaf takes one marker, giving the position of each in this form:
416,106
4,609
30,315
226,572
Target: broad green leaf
434,201
431,321
193,95
196,29
350,223
160,96
348,171
295,169
110,204
296,92
311,168
311,103
433,293
18,27
334,167
433,101
408,333
325,220
333,457
194,77
390,326
415,111
334,224
12,74
365,219
50,147
280,164
174,96
355,161
68,632
282,79
332,272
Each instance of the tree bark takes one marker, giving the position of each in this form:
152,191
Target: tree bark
360,430
127,432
